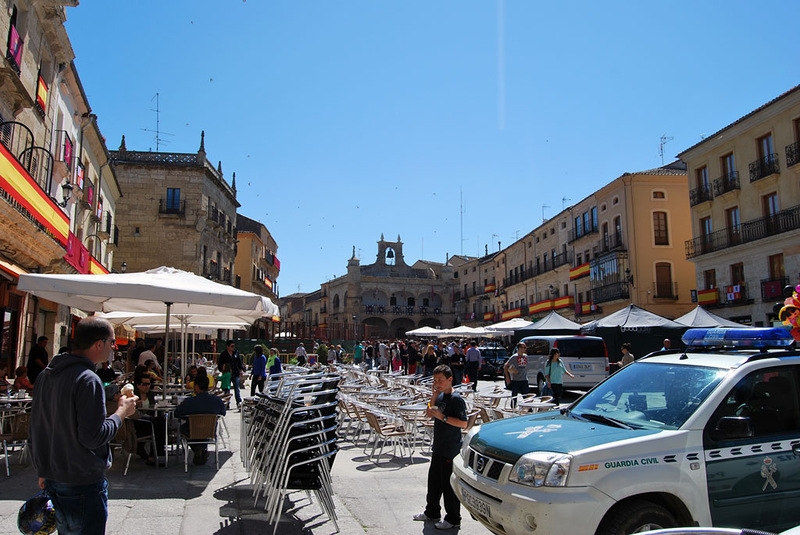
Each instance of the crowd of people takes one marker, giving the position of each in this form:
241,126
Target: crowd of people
414,357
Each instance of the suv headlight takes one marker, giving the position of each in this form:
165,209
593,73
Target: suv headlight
540,468
465,444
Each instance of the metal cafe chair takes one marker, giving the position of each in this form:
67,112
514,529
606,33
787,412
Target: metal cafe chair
17,436
202,430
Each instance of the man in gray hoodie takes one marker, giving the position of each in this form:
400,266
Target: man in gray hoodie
70,432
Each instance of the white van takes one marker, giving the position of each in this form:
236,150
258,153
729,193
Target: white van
585,357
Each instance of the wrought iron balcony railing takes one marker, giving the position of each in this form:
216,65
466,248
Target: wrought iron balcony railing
725,183
783,221
764,167
793,154
701,194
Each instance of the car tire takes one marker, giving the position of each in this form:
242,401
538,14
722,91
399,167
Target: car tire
540,384
636,517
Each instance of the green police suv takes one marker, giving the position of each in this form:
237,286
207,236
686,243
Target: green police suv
708,436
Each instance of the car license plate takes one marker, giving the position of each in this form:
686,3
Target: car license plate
476,504
577,367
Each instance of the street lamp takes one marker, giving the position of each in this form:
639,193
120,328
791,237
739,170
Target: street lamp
629,277
66,194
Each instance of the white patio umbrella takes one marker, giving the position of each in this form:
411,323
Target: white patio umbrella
424,332
463,330
508,327
161,290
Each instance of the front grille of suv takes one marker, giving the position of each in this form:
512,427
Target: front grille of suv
485,466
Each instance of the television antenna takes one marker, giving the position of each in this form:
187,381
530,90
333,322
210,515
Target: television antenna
564,200
543,207
664,140
158,131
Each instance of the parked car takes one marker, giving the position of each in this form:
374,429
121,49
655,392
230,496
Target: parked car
706,436
586,357
493,358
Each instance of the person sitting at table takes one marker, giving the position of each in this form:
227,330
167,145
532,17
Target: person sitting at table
112,399
119,363
151,371
191,374
201,403
142,420
202,370
274,362
21,382
105,373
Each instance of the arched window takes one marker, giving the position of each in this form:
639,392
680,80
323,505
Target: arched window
336,302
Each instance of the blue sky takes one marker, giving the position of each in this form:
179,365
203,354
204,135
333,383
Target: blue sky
454,124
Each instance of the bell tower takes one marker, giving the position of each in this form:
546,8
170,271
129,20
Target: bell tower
390,253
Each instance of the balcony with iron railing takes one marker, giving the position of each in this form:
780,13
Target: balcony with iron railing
575,235
764,227
763,167
611,292
772,289
793,154
700,194
610,242
562,259
665,290
725,183
37,161
401,310
169,206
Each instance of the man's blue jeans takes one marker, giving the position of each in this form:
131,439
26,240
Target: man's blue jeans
236,393
80,509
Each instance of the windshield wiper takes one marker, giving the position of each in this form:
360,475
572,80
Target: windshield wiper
594,417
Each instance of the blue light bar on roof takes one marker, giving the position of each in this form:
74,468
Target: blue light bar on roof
758,337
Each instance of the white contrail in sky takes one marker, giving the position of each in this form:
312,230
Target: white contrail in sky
501,74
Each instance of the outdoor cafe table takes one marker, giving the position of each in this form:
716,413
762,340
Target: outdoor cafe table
390,400
496,397
10,406
168,411
535,406
351,388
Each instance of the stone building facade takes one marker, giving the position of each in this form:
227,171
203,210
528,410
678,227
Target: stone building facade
388,297
745,211
177,211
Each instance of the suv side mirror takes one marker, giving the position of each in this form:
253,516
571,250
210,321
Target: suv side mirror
732,428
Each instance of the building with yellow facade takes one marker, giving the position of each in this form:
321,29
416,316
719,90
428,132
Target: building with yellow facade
745,211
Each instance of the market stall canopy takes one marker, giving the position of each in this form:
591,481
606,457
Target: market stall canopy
700,317
508,327
425,332
632,318
552,322
463,330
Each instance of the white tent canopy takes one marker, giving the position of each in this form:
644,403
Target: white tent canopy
161,290
508,327
464,331
424,331
700,317
554,321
